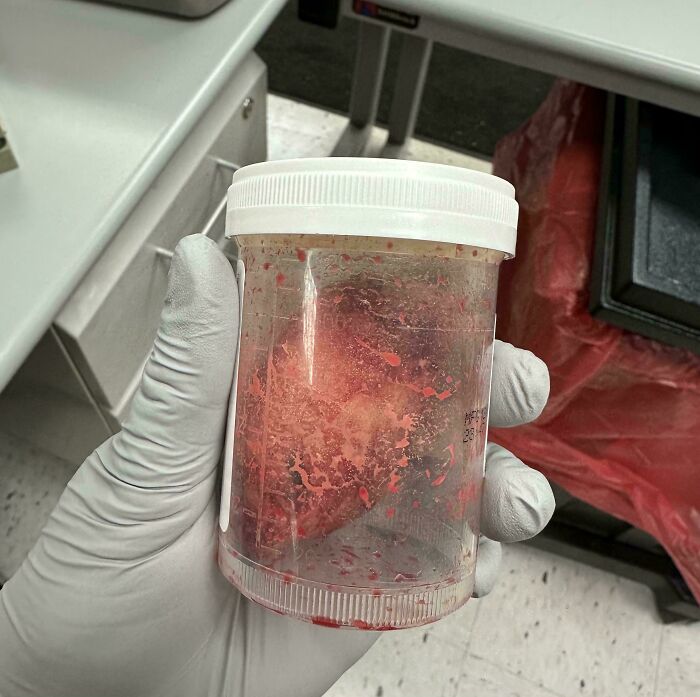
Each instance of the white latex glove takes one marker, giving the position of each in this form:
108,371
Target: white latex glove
122,596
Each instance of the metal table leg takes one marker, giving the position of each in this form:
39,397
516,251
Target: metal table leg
370,61
408,91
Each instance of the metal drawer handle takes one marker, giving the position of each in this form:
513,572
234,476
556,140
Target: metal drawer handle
232,166
209,225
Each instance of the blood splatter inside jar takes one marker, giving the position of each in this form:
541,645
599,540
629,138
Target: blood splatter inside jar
361,410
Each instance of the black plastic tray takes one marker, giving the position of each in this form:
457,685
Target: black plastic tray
646,270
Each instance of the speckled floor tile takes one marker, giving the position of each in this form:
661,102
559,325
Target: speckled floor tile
568,627
31,481
679,661
301,130
412,663
480,678
423,151
456,628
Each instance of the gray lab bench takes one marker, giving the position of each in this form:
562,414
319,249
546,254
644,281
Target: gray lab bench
126,126
646,50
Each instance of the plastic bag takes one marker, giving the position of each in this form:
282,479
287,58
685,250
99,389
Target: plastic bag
622,427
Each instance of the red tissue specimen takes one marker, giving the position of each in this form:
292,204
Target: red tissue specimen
343,412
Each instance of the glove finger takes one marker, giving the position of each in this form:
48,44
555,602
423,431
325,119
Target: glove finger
517,501
519,386
172,437
488,562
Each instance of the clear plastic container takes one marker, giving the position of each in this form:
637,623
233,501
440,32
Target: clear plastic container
355,449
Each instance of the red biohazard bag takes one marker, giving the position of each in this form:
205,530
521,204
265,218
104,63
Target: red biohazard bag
622,427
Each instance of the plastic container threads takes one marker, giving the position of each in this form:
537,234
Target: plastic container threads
355,445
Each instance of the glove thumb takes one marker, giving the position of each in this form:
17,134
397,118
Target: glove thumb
162,466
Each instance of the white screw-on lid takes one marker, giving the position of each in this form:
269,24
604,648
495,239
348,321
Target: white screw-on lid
373,198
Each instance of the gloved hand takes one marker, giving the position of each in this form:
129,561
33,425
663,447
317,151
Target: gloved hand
122,596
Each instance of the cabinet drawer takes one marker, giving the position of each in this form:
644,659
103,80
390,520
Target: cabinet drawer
109,323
